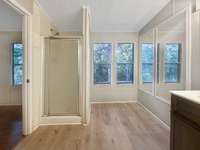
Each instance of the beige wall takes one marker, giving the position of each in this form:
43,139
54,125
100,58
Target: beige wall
45,25
9,95
114,92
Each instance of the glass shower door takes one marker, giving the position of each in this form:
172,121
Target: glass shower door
61,77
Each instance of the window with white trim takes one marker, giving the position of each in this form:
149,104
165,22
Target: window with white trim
102,60
17,64
125,63
147,62
172,62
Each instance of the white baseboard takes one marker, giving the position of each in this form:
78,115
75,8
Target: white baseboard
60,120
10,104
35,128
112,102
154,115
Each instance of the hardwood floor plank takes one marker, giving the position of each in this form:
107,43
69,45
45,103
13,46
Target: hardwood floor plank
112,127
10,126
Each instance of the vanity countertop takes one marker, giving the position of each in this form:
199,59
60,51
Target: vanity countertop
193,96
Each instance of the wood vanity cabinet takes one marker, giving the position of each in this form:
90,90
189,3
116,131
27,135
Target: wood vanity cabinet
185,124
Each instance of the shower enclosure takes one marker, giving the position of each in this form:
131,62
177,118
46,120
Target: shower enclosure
62,59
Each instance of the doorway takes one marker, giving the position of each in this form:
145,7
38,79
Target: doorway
15,75
11,76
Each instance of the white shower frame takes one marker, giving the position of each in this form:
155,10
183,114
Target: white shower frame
63,120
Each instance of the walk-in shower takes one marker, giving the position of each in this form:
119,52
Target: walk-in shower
62,59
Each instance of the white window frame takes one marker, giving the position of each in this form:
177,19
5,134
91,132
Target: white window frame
115,63
92,70
180,64
141,63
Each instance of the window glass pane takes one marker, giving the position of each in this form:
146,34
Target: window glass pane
124,53
102,74
124,73
17,67
17,54
102,63
172,73
147,72
147,53
172,53
172,63
102,52
18,73
125,59
147,62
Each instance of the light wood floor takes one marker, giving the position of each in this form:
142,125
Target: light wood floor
112,127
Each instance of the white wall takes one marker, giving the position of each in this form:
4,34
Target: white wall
114,92
9,94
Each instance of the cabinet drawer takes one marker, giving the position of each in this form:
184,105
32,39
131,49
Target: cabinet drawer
186,108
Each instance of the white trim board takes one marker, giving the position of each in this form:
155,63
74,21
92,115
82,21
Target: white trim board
60,120
10,105
15,5
112,102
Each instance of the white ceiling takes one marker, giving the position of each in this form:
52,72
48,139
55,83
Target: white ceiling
10,20
107,15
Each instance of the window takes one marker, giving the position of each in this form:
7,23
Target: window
17,61
158,63
124,61
172,63
102,63
147,62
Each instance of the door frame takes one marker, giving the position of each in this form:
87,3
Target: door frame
27,68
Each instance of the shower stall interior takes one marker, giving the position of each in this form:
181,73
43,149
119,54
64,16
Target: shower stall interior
62,69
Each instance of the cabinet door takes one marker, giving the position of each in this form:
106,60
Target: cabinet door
185,137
